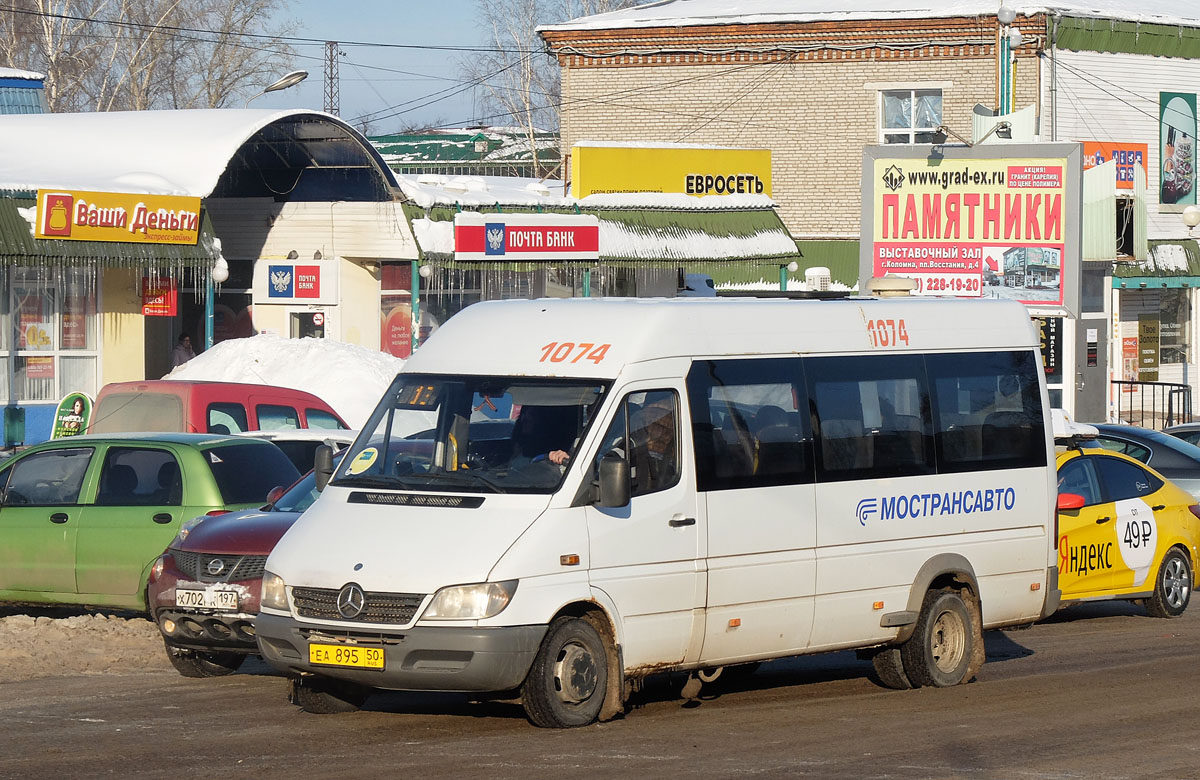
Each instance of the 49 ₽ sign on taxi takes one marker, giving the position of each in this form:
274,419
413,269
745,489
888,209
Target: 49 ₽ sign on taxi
117,216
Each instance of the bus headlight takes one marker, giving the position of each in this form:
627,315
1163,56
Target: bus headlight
471,602
274,592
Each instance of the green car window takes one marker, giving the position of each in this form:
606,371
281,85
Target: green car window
47,478
133,476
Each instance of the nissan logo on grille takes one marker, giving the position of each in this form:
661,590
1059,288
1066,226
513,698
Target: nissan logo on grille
215,566
350,601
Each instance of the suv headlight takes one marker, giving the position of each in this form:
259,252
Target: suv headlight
185,528
274,592
471,602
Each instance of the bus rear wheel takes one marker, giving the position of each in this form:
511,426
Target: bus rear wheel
939,652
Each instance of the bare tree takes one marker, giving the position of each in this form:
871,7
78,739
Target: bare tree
520,80
106,55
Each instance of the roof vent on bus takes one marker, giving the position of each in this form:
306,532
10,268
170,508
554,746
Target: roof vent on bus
817,278
891,286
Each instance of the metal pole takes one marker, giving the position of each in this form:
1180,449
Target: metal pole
208,310
416,304
587,283
783,278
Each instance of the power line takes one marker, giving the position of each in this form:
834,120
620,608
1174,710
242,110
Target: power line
260,36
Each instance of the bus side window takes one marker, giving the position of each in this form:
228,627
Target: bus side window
750,423
873,416
987,411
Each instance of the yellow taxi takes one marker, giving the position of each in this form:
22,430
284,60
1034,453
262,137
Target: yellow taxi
1124,532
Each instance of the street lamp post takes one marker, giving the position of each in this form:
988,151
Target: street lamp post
218,274
1009,38
784,270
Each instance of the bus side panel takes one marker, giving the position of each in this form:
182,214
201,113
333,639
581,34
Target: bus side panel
871,546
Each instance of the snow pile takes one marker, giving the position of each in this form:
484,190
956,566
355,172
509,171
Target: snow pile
80,644
348,377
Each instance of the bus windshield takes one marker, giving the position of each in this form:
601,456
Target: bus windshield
476,434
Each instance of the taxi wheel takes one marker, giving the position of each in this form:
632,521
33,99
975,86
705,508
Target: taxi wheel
192,663
939,652
566,685
889,668
322,696
1173,587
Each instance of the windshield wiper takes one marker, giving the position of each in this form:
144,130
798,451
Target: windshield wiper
464,478
367,480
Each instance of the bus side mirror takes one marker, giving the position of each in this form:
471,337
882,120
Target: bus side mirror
1070,501
323,466
614,480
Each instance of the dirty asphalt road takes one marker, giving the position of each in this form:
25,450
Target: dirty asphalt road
1100,691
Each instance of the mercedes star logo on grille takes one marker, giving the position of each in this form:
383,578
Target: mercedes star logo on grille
350,601
215,566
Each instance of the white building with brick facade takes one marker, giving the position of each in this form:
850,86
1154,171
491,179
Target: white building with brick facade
816,82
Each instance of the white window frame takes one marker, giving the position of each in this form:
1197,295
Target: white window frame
912,129
57,352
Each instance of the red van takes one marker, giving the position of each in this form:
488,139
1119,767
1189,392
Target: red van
206,407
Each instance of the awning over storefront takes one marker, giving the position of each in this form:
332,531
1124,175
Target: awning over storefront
19,247
293,155
646,229
1170,263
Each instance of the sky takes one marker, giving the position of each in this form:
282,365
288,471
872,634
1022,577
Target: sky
370,81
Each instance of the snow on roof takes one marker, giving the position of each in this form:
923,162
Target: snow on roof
17,73
429,190
348,377
152,152
681,13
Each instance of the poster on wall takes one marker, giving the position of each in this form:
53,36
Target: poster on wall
1177,146
975,222
1127,156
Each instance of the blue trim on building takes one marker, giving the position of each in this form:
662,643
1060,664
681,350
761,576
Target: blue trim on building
22,83
1154,282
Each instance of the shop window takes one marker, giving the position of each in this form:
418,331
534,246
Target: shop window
909,116
395,308
50,321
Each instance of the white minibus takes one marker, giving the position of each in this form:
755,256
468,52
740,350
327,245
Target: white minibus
558,498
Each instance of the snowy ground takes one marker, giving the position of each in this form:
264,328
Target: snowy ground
51,642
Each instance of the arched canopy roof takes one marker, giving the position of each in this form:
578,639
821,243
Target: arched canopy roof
295,155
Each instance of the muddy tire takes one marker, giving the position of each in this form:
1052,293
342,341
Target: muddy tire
566,685
940,650
321,696
193,663
1172,586
889,668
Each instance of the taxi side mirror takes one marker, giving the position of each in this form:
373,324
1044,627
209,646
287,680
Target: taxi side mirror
323,466
614,481
1070,501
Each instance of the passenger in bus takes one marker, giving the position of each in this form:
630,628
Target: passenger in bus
655,461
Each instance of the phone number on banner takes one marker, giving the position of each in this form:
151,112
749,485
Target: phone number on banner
966,285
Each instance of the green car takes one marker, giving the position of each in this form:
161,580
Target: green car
82,519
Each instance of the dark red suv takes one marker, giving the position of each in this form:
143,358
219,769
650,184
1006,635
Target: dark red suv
204,589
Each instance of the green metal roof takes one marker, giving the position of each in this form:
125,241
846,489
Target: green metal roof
1107,35
1171,261
19,247
758,236
458,147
